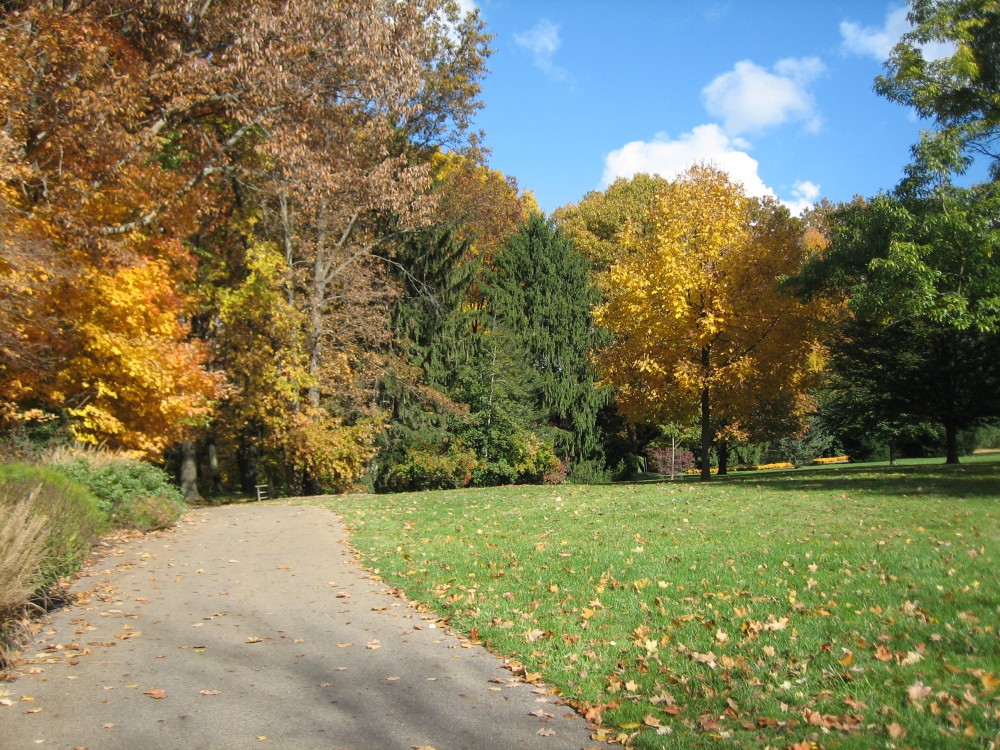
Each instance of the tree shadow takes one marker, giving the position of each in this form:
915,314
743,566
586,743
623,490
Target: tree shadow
965,481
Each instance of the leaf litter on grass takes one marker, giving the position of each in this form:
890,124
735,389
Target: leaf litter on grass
810,608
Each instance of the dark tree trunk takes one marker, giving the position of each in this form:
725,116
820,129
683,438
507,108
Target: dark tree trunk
189,472
951,441
892,453
706,422
723,457
246,460
213,467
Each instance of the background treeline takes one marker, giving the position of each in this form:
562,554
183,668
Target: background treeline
259,242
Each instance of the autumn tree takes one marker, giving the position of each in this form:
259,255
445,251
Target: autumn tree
480,205
140,129
599,223
697,318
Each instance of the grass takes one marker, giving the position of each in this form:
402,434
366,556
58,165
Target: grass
847,607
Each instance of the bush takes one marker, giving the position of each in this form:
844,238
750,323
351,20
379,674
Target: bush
660,458
426,467
132,493
589,471
47,525
72,514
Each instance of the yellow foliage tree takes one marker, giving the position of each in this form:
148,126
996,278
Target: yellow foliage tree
130,376
697,316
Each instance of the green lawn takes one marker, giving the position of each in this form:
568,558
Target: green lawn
850,607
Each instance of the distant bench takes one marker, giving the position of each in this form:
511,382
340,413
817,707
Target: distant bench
261,492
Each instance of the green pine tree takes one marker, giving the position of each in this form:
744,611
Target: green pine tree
540,292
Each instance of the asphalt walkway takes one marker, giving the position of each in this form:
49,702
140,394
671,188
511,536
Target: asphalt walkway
253,626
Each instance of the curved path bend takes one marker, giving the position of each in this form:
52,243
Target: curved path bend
254,627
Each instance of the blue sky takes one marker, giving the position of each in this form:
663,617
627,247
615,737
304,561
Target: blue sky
776,92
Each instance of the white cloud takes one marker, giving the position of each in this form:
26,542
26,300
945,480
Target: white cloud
750,99
805,194
542,41
877,42
870,41
465,7
705,144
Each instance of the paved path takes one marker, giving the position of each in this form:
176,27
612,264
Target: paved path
253,627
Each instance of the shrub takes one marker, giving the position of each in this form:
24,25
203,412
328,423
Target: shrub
659,458
589,471
426,467
73,515
132,493
47,525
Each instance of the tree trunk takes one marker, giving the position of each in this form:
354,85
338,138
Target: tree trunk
706,422
246,458
892,453
673,456
723,457
189,472
951,441
213,467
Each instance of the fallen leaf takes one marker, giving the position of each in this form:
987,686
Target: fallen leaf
373,645
883,654
545,732
543,715
912,657
343,595
708,658
210,692
156,693
895,731
108,725
918,691
344,645
847,659
253,639
33,710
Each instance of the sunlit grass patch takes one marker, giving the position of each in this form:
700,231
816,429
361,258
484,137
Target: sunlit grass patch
850,608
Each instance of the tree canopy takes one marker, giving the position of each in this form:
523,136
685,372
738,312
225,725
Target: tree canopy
696,314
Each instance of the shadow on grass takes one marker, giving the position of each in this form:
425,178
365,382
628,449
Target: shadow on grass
974,480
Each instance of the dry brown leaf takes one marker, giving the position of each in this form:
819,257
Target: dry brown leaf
157,693
895,731
918,691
